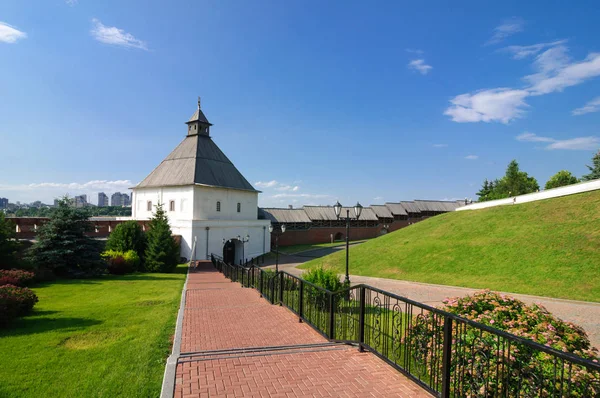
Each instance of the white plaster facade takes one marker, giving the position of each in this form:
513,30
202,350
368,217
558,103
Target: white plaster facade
195,210
206,198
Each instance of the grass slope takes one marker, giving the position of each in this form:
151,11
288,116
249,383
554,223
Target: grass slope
103,337
547,248
294,249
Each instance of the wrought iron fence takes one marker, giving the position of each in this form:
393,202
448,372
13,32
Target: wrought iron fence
448,355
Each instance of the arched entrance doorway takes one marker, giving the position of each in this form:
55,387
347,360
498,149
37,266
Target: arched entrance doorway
339,236
229,252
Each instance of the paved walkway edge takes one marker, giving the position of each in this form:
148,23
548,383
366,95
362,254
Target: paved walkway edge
168,384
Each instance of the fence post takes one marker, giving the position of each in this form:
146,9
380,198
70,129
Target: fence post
361,320
281,289
301,301
331,316
272,289
447,357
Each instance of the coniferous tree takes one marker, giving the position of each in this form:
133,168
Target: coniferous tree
515,182
594,169
561,179
162,252
8,244
62,245
127,236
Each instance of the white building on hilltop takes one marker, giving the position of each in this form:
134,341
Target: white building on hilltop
208,201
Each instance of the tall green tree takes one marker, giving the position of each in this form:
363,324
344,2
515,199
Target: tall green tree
127,236
594,169
561,179
8,243
62,245
162,252
515,182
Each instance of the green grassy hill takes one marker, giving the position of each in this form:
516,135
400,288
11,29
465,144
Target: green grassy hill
546,248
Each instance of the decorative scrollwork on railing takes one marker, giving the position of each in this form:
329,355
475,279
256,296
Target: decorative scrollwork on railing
420,342
478,373
397,331
377,310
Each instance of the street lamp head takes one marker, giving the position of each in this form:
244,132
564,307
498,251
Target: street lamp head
282,228
357,210
239,237
223,240
270,228
247,238
337,207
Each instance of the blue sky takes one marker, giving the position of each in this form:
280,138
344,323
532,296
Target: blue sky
313,101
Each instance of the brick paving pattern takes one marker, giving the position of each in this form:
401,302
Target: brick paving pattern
226,329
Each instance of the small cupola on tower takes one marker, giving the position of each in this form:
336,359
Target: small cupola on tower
198,123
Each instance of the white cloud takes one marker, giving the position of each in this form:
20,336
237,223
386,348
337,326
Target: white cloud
115,36
72,2
440,145
508,28
555,71
520,52
471,157
414,51
267,184
420,66
531,137
578,143
288,188
495,105
378,198
10,34
590,107
300,195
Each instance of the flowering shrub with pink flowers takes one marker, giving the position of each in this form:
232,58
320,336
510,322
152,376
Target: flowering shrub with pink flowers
16,277
14,302
485,364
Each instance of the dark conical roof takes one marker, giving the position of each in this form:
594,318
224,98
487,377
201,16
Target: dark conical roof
198,116
197,160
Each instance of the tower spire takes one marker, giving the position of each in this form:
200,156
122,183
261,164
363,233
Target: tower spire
198,102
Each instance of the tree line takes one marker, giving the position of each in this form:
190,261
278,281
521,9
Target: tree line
516,182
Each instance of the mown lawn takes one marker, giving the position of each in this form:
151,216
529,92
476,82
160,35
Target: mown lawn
547,248
103,337
302,248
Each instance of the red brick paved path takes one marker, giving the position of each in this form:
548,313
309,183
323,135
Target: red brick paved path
225,330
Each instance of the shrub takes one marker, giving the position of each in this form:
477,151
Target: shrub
14,302
121,263
8,244
479,353
323,277
127,236
16,277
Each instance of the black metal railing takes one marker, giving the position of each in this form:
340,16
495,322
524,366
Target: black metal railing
448,355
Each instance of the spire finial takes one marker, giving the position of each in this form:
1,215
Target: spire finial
198,102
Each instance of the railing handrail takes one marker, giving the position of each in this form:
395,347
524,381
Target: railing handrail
522,340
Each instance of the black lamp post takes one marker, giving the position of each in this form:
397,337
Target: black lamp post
244,240
277,244
337,207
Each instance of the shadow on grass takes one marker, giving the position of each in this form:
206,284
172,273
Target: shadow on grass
33,325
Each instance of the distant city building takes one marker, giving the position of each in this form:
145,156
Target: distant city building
80,201
37,204
3,203
120,199
102,199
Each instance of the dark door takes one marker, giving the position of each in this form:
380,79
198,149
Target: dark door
229,252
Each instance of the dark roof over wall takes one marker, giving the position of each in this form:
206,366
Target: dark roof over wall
196,160
436,205
396,209
326,213
410,207
284,215
382,211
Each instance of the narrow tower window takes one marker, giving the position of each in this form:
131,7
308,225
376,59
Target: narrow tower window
149,205
218,206
172,205
239,207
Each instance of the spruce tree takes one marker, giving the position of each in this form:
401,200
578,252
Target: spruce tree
62,245
561,179
594,170
162,252
8,243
